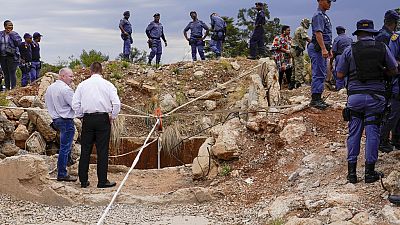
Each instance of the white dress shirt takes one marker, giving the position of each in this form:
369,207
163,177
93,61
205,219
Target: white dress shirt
58,100
96,95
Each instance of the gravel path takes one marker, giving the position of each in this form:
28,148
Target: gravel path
22,212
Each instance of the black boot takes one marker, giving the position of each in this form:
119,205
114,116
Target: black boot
385,146
317,102
370,174
149,62
297,85
396,141
291,85
352,172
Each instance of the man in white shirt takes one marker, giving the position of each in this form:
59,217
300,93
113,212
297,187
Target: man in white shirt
97,101
58,99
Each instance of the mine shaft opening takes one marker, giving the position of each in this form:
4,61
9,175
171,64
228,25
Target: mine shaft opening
185,154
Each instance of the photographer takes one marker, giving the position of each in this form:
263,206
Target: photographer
282,56
9,53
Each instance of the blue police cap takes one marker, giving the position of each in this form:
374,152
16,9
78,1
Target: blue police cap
259,3
365,25
36,35
127,13
340,28
328,0
157,14
27,35
392,15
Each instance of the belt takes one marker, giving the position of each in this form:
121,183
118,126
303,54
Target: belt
95,114
60,118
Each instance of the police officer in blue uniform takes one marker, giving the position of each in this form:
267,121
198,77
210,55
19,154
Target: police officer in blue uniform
36,64
126,34
155,32
340,43
9,53
257,37
393,120
366,64
26,59
319,50
389,27
196,40
218,27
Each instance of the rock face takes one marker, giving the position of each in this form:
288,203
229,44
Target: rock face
168,103
36,144
226,135
9,149
42,121
294,130
203,165
26,177
46,81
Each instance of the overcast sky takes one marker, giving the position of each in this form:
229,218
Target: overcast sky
68,26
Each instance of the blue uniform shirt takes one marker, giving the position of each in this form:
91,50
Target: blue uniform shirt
196,28
25,51
394,46
126,25
155,30
384,35
12,40
35,51
347,64
217,23
260,19
340,43
322,23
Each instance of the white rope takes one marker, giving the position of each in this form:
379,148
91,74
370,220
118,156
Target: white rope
213,90
101,220
128,153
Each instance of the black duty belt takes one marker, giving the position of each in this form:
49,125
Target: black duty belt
95,114
366,92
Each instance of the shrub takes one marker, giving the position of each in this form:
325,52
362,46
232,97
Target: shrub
87,58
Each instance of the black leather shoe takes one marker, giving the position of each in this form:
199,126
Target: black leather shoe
385,146
85,184
251,58
68,178
318,104
108,184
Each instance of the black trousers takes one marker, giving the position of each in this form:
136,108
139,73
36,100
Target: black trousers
96,129
288,73
9,66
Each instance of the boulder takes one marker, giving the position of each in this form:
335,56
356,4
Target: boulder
363,218
2,134
210,105
199,74
269,75
20,135
13,114
26,177
281,206
9,149
24,119
203,165
168,103
36,144
76,151
7,126
45,82
235,65
42,121
392,182
226,135
337,214
294,130
26,101
391,214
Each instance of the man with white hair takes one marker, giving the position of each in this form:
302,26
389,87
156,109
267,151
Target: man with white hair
58,99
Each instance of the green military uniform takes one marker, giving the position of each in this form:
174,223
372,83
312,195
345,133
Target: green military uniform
299,44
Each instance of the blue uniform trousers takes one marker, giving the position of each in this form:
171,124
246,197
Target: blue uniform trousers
26,75
156,50
369,105
9,66
216,44
257,42
67,131
126,49
392,120
197,45
35,70
339,82
318,70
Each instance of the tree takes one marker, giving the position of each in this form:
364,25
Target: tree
398,23
87,58
136,56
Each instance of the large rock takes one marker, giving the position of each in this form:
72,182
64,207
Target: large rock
76,151
26,177
26,101
45,82
392,182
13,114
269,75
391,214
20,135
9,149
2,134
203,165
42,121
168,103
24,119
36,144
337,214
235,65
363,218
8,126
226,135
199,74
210,105
281,206
294,130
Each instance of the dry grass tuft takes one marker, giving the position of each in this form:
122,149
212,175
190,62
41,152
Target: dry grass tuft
117,126
171,137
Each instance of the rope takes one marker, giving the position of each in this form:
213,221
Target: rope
136,150
101,220
215,89
135,110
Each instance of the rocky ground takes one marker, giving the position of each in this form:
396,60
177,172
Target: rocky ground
287,166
